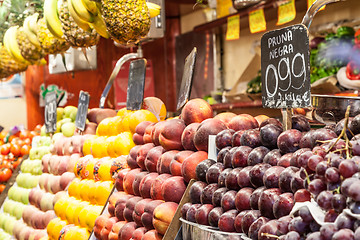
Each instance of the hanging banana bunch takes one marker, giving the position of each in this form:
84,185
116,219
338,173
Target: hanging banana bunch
8,65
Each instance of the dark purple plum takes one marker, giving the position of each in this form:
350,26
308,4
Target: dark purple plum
269,135
251,138
272,157
257,155
257,174
271,176
289,140
243,177
213,173
300,123
240,155
223,138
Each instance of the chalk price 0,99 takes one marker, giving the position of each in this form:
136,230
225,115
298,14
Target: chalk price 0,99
285,68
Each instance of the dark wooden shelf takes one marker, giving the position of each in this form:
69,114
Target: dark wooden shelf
222,106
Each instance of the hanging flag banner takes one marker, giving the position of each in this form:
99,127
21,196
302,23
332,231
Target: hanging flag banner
310,2
257,22
286,12
233,27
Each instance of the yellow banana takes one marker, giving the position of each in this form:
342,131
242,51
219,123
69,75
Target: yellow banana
11,44
30,34
82,24
81,11
90,6
100,27
52,18
33,23
154,9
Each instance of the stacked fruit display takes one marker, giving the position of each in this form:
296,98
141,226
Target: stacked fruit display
262,172
162,163
17,145
15,215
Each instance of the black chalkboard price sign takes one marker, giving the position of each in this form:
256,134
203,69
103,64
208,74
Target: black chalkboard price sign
285,68
81,115
50,112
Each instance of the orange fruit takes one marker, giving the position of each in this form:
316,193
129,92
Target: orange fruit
140,116
89,169
156,106
103,127
74,187
124,143
99,147
103,191
122,112
111,146
87,145
116,128
125,122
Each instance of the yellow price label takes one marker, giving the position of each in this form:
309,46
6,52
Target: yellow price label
286,12
233,27
310,2
257,21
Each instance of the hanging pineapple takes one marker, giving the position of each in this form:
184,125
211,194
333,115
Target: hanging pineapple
76,36
49,43
8,65
128,21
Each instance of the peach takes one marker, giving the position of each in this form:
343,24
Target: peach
131,158
188,168
127,230
208,127
163,214
145,184
152,235
138,233
138,136
261,118
129,179
187,137
139,210
153,157
170,136
243,122
196,110
129,208
120,206
114,234
112,202
173,189
119,181
225,117
96,115
136,183
141,154
155,133
155,191
175,164
90,128
163,165
147,137
147,216
100,223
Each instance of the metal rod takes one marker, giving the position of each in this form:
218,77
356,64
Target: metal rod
119,63
314,9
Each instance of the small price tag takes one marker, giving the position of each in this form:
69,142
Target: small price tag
285,68
136,83
187,78
50,112
286,12
223,8
83,106
310,2
233,28
257,21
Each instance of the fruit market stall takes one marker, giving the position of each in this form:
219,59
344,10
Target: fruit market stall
145,172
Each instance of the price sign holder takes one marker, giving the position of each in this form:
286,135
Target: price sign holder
83,106
186,82
135,91
50,112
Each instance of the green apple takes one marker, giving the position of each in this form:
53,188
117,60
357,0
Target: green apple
8,206
68,129
44,141
59,113
25,196
70,112
18,211
9,225
43,131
